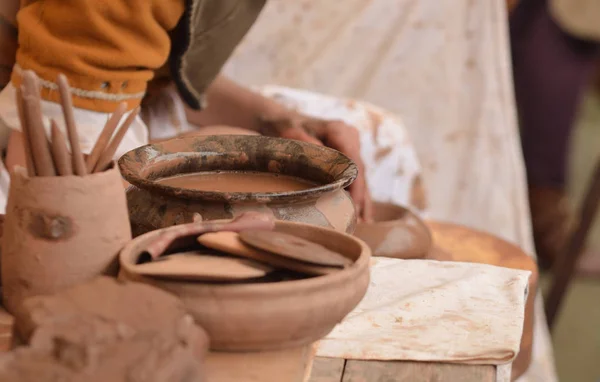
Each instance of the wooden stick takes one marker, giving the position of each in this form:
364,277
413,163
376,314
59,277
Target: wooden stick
33,111
105,136
24,130
112,147
62,159
67,106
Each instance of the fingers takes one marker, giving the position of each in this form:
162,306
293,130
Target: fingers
362,199
299,134
367,211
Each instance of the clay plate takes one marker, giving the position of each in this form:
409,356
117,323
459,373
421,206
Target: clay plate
270,315
294,247
229,242
200,266
396,232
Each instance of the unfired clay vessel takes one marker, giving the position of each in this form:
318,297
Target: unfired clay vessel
106,330
153,205
269,316
396,232
61,231
452,242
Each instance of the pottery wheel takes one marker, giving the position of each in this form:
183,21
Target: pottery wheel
294,247
200,266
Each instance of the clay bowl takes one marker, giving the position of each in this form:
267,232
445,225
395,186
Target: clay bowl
153,205
269,316
218,130
396,232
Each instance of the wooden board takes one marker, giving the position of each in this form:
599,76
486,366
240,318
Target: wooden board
6,321
339,370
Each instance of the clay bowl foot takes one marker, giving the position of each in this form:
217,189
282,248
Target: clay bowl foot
267,316
396,232
290,365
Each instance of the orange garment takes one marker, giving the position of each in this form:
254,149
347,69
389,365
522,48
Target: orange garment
108,49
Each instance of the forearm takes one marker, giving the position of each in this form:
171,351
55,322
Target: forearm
8,39
235,105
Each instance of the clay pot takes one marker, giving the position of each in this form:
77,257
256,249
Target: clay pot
396,232
457,243
153,205
266,316
218,130
60,231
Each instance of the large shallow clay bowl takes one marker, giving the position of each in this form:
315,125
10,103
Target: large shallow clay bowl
395,232
153,205
275,315
452,242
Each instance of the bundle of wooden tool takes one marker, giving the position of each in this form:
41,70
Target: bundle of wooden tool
44,158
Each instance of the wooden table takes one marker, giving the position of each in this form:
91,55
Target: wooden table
340,370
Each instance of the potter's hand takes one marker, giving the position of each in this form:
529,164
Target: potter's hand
335,134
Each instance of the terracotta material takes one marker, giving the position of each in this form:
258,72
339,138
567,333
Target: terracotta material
173,238
229,242
61,231
396,232
91,333
202,266
153,205
275,315
219,130
236,181
289,365
457,243
294,247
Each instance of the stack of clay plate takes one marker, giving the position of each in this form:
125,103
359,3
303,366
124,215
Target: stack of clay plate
264,297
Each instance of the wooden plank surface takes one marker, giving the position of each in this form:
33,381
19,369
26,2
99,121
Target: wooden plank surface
327,369
6,321
338,370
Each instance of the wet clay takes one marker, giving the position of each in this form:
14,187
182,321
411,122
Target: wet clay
201,266
234,181
396,232
106,330
229,242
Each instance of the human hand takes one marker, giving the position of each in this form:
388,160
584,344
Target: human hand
336,135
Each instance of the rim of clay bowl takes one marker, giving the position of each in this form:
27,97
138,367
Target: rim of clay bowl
129,254
328,167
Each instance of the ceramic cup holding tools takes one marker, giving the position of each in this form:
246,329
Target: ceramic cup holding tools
61,231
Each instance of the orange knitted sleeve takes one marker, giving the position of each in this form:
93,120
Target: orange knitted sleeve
109,49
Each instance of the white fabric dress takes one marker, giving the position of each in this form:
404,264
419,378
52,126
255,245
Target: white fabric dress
444,67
